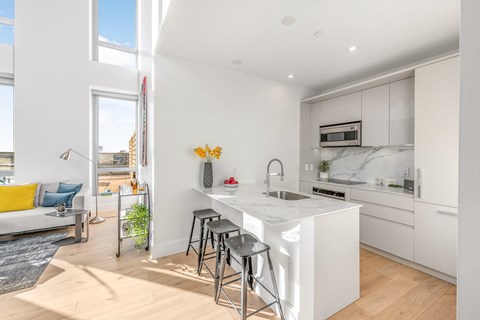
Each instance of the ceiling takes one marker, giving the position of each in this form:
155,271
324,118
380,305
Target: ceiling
388,34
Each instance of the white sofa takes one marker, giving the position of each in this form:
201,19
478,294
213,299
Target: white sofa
32,220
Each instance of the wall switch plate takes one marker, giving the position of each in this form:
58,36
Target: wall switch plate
311,166
306,166
406,172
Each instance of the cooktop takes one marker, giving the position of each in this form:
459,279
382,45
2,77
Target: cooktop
345,182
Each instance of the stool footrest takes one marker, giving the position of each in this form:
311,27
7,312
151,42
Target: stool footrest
261,309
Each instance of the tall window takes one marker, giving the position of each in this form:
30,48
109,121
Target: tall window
6,132
7,16
115,141
115,32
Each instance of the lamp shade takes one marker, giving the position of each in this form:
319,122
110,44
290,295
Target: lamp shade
66,155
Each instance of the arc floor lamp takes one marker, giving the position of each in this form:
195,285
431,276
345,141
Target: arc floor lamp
66,156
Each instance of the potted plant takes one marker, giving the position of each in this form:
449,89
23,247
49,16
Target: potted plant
209,155
324,168
138,224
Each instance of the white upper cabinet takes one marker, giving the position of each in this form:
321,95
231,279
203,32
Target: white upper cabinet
437,102
402,112
315,125
343,109
375,116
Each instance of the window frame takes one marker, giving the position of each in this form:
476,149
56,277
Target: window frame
96,43
96,94
5,80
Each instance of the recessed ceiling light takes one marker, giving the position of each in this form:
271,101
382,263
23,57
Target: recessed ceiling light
290,76
352,49
318,34
289,20
237,62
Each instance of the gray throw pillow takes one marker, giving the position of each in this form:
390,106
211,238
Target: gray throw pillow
50,187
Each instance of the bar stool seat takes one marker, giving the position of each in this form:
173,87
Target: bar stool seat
246,246
202,215
221,230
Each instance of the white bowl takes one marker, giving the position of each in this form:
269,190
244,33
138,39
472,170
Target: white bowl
230,185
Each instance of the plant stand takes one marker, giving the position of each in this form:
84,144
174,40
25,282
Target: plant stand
142,197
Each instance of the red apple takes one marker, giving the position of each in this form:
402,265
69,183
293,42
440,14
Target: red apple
226,181
232,179
235,182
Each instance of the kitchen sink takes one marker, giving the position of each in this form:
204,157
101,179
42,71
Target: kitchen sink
285,195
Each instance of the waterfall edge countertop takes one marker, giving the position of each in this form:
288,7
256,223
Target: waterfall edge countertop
250,199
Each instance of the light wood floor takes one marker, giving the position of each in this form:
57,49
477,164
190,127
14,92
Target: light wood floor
87,281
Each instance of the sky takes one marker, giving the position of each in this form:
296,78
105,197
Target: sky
116,22
6,31
6,118
116,122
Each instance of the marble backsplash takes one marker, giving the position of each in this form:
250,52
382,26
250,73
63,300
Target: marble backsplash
368,163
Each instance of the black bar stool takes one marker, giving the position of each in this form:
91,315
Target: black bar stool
201,215
246,246
221,230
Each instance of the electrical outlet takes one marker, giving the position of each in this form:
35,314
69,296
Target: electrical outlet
406,172
306,166
311,166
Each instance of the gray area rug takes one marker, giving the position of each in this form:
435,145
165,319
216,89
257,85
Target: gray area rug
23,260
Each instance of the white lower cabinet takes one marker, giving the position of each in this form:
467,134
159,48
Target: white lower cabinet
304,187
386,221
436,232
388,236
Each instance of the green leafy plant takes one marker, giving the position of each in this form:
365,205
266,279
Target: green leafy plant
138,224
324,166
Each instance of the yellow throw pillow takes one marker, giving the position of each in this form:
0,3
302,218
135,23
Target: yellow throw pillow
14,198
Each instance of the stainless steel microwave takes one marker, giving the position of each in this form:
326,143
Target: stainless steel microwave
341,135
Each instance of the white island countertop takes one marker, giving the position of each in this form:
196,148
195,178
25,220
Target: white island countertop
250,199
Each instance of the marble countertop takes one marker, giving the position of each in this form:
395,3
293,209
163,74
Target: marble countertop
370,186
249,199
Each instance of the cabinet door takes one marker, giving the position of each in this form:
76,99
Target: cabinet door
435,237
375,116
346,108
315,125
437,132
402,99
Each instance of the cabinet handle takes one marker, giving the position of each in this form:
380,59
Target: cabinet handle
420,182
448,213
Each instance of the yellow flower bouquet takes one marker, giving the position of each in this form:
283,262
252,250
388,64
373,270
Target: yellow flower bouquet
208,153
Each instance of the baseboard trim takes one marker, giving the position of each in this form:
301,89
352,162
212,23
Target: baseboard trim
161,250
411,264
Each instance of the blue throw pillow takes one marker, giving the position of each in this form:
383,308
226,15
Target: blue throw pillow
51,199
65,187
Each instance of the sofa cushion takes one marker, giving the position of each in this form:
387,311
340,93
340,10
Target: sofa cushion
51,199
50,187
31,220
15,198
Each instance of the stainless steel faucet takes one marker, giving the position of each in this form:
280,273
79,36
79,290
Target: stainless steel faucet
267,181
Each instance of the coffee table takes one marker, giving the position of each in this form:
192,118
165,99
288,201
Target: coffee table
78,225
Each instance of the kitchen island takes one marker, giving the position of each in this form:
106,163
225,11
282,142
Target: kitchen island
314,246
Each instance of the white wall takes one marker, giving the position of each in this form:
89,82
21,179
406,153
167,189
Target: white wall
53,80
469,213
253,119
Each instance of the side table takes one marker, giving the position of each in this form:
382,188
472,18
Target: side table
78,225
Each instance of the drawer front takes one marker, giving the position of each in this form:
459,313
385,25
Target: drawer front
383,198
387,236
436,232
386,213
